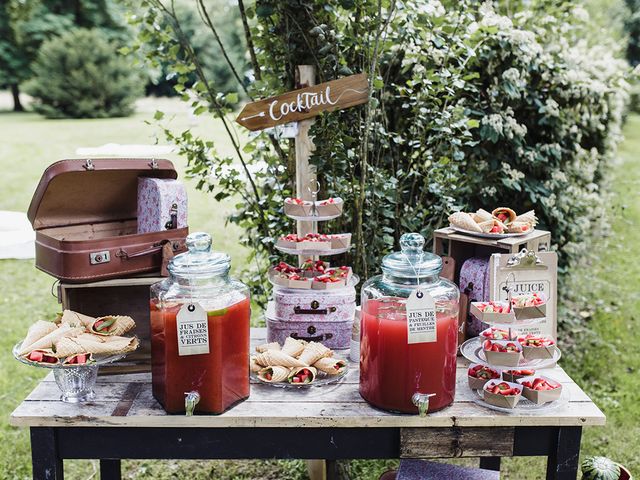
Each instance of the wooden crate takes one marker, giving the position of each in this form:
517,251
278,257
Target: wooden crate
460,247
123,296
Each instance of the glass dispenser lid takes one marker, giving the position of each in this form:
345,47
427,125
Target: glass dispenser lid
412,261
199,260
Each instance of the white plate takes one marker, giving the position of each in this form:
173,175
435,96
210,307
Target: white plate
472,351
489,235
310,252
524,405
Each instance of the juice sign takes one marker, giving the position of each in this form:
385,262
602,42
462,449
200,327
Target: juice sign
421,317
193,330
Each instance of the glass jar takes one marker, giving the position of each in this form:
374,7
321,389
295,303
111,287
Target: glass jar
409,332
200,320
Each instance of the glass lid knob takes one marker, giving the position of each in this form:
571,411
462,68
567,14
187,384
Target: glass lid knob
412,243
199,242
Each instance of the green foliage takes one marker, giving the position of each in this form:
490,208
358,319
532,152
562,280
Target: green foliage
632,27
80,75
471,107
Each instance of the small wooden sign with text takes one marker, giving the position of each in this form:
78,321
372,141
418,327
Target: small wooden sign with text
305,103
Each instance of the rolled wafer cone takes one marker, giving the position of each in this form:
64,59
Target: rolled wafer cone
118,325
267,346
528,217
45,351
507,211
36,331
294,371
275,358
482,215
75,319
313,352
66,347
253,365
331,366
519,227
115,346
274,374
292,347
94,338
464,221
49,340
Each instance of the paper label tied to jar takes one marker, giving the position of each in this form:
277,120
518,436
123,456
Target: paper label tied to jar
193,330
421,317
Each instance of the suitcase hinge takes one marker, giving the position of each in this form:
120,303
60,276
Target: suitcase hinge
154,164
88,164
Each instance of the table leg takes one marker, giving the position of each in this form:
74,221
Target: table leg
46,463
562,464
110,469
490,463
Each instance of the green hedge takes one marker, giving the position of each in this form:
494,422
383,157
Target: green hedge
81,75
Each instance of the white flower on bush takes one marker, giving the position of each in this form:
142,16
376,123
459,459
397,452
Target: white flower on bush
494,121
512,172
580,14
431,7
491,19
551,107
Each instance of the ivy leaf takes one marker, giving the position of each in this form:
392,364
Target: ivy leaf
158,115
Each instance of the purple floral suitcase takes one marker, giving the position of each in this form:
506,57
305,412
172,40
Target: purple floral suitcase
474,281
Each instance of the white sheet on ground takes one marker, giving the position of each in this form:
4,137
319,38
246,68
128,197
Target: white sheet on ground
17,238
117,150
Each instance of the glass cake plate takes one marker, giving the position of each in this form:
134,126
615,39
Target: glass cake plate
472,351
321,380
76,382
524,405
311,252
488,235
314,218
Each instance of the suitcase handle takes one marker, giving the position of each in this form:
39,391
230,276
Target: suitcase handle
148,251
319,338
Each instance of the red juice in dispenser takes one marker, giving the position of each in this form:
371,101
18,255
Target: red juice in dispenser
409,332
199,333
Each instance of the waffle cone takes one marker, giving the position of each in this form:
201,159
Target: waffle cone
267,346
313,352
278,374
528,217
482,215
46,351
328,365
75,319
49,340
275,358
295,370
36,331
65,347
253,366
517,227
508,211
121,325
464,221
292,347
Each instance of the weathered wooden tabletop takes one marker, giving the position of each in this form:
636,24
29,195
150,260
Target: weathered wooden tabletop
126,401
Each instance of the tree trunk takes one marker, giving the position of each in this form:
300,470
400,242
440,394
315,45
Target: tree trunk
15,92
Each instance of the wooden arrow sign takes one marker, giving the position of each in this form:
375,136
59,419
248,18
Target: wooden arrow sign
305,103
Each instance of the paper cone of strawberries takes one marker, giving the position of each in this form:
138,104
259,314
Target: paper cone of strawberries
539,389
502,394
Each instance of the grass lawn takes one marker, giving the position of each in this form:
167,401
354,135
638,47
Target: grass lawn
607,370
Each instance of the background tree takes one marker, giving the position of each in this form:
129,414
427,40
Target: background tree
13,60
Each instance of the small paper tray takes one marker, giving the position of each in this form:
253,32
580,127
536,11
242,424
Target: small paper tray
539,397
492,317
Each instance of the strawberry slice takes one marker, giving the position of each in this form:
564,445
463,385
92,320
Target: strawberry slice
36,356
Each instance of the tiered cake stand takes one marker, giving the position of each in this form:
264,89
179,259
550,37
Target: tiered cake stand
472,350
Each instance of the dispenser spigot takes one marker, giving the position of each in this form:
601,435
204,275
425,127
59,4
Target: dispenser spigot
190,401
421,400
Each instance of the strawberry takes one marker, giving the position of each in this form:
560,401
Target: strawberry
36,356
495,229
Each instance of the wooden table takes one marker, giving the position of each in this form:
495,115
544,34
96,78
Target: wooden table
331,422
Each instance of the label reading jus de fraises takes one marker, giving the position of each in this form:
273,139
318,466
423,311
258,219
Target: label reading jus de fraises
421,317
193,330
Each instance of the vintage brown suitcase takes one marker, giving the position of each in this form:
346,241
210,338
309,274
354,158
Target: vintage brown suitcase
84,214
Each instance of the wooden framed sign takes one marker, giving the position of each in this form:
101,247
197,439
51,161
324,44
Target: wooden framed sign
305,103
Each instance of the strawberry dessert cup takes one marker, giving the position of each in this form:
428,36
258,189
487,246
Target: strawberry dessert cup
494,333
296,207
536,347
502,352
514,375
502,394
540,389
479,374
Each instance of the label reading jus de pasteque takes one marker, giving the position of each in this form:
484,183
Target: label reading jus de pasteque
421,317
193,330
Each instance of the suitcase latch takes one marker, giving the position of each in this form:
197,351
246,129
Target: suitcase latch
153,164
97,258
88,164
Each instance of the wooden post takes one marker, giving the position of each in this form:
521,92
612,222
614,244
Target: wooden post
305,173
